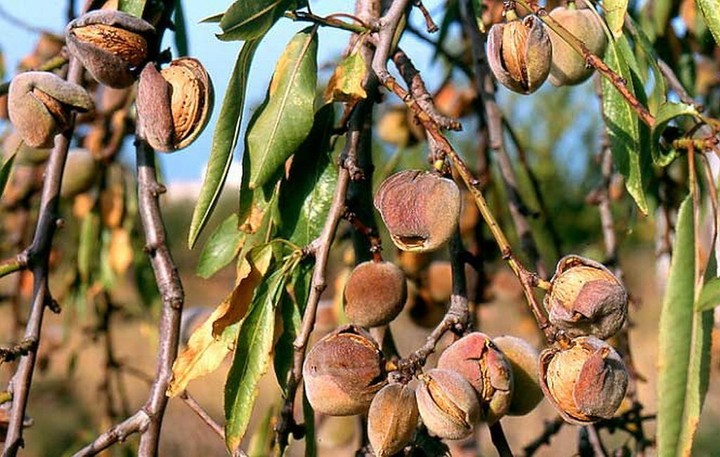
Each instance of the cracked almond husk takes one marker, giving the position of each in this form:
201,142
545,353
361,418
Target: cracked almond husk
519,53
447,404
585,382
585,298
112,45
487,369
392,419
40,105
343,371
174,104
419,208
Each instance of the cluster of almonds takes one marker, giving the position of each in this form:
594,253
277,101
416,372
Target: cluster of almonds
477,378
523,53
173,104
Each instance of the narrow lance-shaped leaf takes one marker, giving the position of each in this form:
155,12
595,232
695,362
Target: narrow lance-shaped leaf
615,15
221,248
225,138
5,172
213,340
306,196
287,116
251,361
247,20
181,42
710,10
623,126
292,305
134,7
709,296
683,347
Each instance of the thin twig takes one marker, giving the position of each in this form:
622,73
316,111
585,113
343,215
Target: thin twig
37,260
493,117
592,59
202,414
287,424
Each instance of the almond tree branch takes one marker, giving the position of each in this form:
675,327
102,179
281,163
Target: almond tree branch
493,116
148,421
528,279
37,256
592,59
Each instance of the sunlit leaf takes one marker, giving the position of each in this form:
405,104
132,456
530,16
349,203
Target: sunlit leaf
204,352
710,10
215,18
346,82
630,153
709,296
225,138
287,117
306,196
134,7
615,15
683,347
666,113
250,275
248,20
262,440
252,359
221,248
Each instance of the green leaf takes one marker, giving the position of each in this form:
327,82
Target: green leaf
215,18
251,360
225,138
642,42
306,197
615,15
666,113
181,42
710,296
221,248
292,305
630,152
5,171
134,7
684,347
287,117
710,10
248,20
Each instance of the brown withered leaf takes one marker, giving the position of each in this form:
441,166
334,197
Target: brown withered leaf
250,274
204,353
214,339
346,83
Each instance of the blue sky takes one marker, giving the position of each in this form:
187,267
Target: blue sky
218,57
